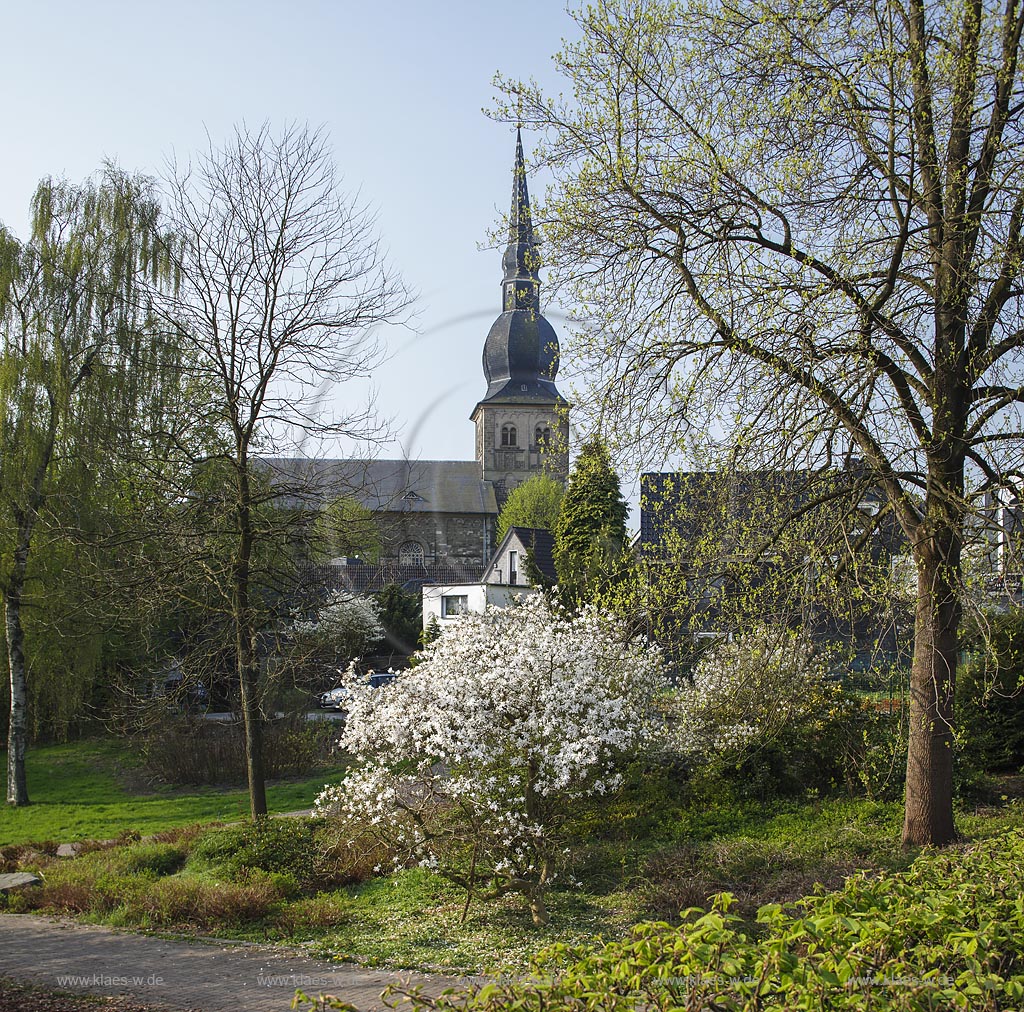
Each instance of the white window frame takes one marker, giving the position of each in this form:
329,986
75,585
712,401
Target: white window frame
460,609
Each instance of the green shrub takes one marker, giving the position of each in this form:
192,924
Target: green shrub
990,698
283,846
763,714
880,756
155,858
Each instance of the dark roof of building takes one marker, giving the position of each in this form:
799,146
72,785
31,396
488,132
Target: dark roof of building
398,486
686,502
370,578
535,540
541,545
521,351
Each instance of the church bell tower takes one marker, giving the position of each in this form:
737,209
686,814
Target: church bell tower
522,423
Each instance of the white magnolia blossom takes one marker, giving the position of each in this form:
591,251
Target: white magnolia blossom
746,691
510,717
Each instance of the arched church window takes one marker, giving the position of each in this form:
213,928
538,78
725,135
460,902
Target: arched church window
509,436
542,436
410,553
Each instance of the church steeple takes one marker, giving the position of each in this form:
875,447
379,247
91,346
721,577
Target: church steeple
521,350
522,422
521,284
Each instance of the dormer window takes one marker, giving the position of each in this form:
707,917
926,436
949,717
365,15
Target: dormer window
509,436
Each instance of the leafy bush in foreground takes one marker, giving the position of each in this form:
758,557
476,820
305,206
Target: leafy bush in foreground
946,934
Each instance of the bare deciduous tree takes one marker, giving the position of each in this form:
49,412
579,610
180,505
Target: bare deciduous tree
281,284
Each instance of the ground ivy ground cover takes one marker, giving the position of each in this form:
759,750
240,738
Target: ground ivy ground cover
948,933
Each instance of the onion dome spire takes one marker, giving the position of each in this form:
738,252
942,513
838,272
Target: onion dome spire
521,351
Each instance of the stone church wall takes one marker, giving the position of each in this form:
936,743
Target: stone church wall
513,465
458,537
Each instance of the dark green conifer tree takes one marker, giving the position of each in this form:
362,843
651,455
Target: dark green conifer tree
590,536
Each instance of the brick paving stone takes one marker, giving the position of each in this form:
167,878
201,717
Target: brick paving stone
198,976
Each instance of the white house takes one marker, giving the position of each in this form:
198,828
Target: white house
447,602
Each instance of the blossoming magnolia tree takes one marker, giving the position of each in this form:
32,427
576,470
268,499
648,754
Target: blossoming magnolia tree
471,761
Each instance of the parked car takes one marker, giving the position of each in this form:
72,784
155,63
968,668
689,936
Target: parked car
334,699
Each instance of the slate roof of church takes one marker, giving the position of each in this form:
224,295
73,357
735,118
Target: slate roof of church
371,578
399,486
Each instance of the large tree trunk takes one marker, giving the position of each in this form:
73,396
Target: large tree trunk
17,734
928,819
248,672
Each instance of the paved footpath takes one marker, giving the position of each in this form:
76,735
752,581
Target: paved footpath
184,976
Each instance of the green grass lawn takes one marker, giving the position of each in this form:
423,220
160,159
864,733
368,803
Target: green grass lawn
79,792
646,854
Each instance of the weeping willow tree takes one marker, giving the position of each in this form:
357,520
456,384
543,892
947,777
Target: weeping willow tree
80,371
808,216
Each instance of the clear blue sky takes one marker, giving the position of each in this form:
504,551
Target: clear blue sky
400,86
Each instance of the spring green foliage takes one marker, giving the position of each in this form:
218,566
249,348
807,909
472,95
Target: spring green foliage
535,503
83,380
346,527
590,535
944,934
748,202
